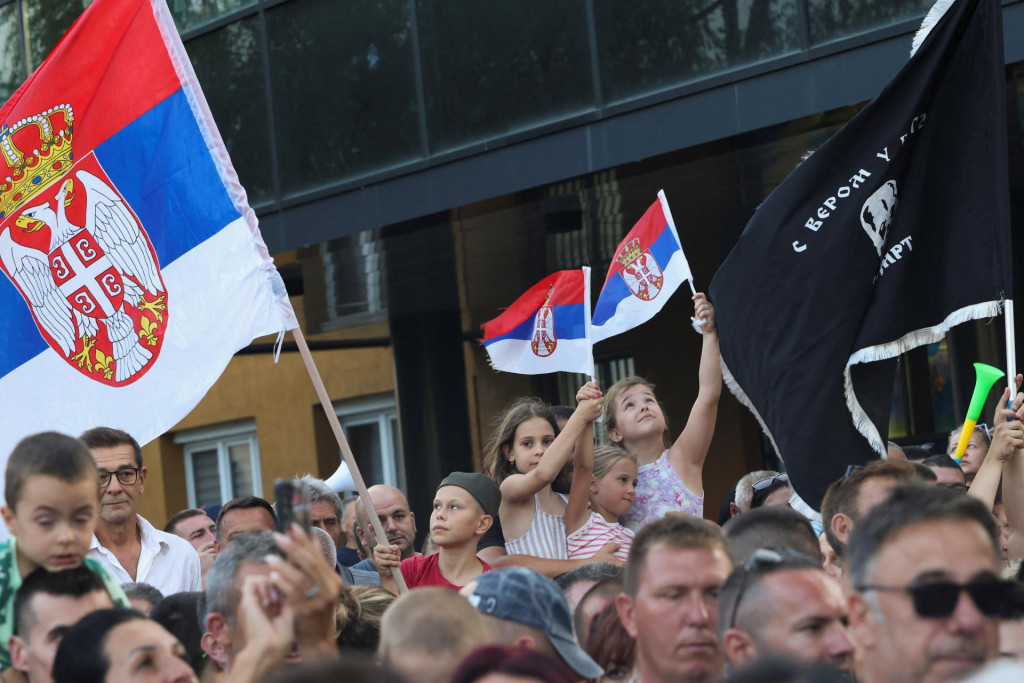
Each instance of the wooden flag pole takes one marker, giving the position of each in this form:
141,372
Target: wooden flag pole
1011,350
346,451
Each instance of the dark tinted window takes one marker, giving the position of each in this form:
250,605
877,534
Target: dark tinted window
490,68
342,76
648,45
229,65
12,67
832,19
190,13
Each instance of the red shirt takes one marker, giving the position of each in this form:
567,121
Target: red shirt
425,571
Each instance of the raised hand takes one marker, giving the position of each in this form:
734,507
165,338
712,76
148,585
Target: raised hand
703,310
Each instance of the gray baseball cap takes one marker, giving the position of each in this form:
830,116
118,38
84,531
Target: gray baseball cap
524,596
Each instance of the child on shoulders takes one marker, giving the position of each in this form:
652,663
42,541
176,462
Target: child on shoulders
52,501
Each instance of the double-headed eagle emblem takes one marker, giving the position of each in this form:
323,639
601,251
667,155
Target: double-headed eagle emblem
93,285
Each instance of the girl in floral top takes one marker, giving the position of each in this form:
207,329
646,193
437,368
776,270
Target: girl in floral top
671,473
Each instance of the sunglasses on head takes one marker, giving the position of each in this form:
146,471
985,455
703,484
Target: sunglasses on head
762,484
764,561
938,599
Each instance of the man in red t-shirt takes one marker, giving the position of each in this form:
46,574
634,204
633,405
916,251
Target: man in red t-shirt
465,506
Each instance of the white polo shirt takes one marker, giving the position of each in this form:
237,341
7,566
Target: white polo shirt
167,562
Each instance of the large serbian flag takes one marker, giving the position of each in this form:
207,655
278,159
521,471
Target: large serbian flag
649,266
547,329
133,266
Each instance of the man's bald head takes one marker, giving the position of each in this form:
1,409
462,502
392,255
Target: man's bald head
392,509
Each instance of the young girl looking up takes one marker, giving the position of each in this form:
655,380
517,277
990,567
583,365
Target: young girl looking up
607,479
524,457
670,474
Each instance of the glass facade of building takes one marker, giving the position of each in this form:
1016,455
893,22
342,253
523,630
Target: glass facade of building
315,95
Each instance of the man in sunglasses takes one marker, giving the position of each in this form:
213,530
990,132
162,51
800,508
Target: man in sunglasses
782,602
129,547
927,599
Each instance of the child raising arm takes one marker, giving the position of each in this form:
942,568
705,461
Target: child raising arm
671,474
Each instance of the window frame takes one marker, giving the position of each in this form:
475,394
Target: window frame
220,439
381,410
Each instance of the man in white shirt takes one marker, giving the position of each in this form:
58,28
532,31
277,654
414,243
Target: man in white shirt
129,547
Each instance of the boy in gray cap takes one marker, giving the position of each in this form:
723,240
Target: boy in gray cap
521,608
464,508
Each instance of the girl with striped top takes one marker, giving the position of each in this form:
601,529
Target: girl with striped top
525,455
603,489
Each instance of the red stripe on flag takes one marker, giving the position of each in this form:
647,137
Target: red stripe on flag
648,229
119,47
566,287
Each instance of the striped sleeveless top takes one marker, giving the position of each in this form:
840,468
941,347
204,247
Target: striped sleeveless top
545,538
592,536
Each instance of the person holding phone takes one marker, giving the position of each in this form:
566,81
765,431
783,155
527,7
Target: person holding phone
270,599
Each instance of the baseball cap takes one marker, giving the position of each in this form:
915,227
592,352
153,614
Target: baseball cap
480,486
524,596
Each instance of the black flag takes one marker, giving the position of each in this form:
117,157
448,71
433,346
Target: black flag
892,232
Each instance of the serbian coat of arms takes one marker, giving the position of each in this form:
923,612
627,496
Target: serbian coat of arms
544,341
640,270
77,253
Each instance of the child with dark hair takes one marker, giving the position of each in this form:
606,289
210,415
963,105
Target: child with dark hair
52,497
524,457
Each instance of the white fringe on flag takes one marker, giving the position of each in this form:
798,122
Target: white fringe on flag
911,340
930,19
795,501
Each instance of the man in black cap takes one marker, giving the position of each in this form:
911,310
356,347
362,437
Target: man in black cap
524,609
465,506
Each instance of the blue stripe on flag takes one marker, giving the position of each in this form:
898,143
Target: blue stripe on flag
615,290
23,341
161,165
569,324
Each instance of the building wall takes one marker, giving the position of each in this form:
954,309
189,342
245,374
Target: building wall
291,427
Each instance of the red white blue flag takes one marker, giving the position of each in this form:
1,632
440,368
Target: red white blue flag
133,265
649,266
547,329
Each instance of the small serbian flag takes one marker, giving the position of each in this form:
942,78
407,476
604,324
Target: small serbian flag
648,267
132,265
545,330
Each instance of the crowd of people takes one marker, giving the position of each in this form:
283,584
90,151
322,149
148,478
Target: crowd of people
565,560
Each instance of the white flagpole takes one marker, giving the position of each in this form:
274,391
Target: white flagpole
697,324
586,320
346,451
586,323
1011,351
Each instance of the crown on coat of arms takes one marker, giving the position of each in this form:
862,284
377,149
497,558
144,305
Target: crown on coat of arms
34,160
630,252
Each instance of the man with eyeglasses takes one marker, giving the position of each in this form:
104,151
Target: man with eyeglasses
129,547
782,602
927,600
